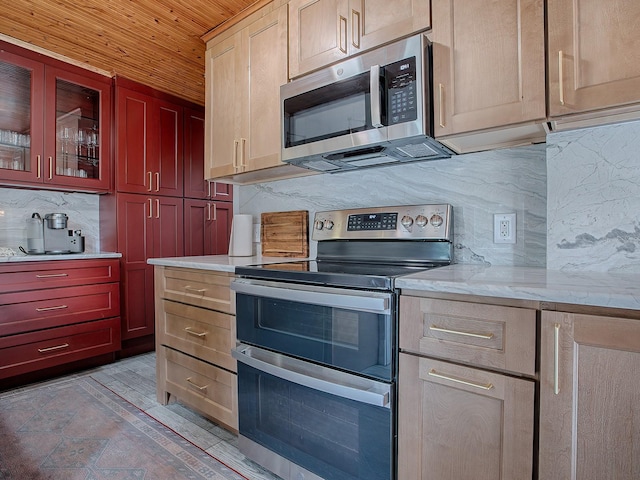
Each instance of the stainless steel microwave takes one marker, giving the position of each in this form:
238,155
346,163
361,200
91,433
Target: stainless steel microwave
371,110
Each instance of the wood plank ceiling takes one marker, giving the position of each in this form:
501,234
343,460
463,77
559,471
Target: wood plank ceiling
154,42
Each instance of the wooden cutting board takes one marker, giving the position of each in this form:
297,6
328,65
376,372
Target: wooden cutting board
285,234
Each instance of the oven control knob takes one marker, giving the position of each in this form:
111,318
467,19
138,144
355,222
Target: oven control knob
319,225
328,225
406,221
436,220
421,220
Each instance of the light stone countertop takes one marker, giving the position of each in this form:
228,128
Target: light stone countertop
523,283
67,256
530,283
219,263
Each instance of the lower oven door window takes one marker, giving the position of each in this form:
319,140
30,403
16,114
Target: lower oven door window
348,329
338,428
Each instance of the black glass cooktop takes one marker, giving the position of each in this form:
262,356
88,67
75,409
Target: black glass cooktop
340,274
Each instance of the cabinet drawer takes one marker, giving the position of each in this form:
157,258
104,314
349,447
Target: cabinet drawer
211,390
202,333
484,335
198,287
26,311
22,276
46,348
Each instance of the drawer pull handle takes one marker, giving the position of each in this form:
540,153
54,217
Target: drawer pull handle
195,385
486,336
47,309
483,386
50,349
195,334
201,291
556,359
51,275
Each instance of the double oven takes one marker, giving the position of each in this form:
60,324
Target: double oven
317,343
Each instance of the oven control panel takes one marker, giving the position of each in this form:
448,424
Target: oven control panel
410,222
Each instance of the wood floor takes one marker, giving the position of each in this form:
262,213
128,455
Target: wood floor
134,379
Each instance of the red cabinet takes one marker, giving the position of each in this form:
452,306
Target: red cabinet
56,312
55,123
149,139
147,227
195,186
207,227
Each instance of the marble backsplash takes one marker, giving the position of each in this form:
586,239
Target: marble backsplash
593,201
17,205
478,185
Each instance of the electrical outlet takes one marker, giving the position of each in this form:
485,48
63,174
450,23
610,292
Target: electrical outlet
504,228
256,233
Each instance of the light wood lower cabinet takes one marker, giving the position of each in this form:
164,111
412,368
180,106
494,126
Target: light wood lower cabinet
195,332
589,397
460,415
462,423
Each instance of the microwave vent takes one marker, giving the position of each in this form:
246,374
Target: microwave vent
418,150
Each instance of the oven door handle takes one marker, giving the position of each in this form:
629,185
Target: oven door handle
314,376
330,297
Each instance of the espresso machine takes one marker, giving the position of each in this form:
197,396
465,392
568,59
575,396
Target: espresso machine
52,236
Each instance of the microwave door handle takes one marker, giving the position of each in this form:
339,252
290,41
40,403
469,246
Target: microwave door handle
374,96
312,376
328,298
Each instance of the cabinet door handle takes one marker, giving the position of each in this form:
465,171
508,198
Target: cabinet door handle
486,336
51,275
556,358
47,309
343,34
208,212
195,334
243,165
39,166
157,181
214,188
483,386
157,208
50,349
215,212
189,288
195,385
50,168
235,156
561,77
441,105
355,28
150,175
150,208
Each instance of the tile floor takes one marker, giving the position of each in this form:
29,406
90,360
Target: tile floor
134,379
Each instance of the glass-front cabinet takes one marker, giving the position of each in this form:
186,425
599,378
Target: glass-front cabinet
54,124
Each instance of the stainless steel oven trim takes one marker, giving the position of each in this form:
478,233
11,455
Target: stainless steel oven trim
363,301
314,376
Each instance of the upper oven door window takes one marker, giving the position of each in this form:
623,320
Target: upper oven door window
348,329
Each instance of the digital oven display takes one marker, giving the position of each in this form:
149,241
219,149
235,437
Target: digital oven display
372,221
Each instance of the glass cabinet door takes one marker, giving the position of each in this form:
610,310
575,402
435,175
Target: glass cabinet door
77,131
77,151
21,103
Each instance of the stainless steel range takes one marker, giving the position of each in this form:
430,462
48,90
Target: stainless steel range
317,353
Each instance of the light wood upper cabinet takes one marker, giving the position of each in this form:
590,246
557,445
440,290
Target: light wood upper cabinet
243,77
488,64
594,55
322,32
590,408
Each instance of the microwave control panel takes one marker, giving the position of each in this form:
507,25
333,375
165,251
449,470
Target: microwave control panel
400,78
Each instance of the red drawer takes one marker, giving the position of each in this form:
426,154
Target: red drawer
21,276
26,311
47,348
